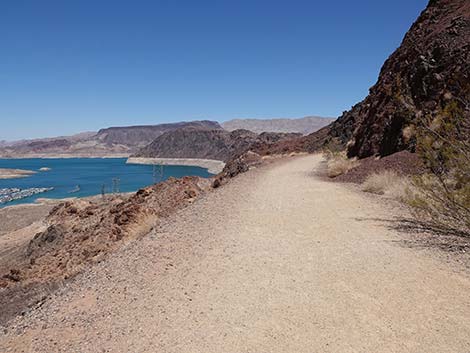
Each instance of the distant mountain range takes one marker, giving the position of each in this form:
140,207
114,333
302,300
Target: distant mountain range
109,142
303,126
128,140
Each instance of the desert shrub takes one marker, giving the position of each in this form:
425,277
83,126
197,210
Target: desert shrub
442,196
338,164
337,161
388,183
333,149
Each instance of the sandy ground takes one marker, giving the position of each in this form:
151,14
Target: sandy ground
278,260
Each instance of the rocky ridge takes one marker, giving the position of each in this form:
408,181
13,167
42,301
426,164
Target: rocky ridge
145,134
208,143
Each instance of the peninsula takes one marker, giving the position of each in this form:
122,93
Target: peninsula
6,173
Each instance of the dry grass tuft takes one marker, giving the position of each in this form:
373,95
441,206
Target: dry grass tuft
338,164
388,183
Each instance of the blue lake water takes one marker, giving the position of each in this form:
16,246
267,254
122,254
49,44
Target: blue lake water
87,173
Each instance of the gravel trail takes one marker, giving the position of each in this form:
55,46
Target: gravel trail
278,260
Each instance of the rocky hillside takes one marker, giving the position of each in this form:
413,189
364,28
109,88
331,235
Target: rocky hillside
303,126
80,232
114,141
207,144
430,69
143,135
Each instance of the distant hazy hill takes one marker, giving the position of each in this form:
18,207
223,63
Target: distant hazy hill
304,126
113,141
206,143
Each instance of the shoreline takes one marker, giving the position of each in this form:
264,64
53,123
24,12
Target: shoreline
213,166
65,156
48,201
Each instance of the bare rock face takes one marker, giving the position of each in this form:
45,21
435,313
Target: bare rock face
429,69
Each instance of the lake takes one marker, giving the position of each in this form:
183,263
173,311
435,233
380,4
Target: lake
87,175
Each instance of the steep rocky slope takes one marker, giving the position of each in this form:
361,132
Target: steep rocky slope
208,144
303,126
429,70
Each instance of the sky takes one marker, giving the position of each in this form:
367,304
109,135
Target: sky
72,66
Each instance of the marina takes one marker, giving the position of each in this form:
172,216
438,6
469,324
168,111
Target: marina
12,194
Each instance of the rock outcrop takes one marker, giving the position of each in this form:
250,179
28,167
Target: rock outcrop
429,70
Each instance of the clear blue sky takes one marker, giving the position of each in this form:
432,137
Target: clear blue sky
71,66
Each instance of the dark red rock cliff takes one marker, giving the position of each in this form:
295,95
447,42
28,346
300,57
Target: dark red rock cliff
429,69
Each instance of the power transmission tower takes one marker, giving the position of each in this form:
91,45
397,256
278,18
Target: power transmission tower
116,185
158,173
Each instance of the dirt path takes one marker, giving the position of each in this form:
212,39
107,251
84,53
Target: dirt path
276,261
